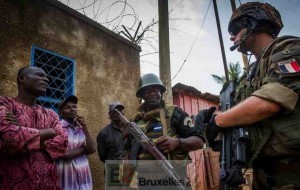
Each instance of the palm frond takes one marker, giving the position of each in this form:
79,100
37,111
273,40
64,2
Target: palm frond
218,79
234,72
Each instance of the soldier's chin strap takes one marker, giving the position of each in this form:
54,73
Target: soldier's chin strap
243,39
250,25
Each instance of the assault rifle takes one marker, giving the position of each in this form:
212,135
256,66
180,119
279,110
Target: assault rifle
148,145
234,142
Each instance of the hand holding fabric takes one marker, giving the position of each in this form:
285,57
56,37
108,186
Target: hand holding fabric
212,131
203,117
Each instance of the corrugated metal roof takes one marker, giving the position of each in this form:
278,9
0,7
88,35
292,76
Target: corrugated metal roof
194,92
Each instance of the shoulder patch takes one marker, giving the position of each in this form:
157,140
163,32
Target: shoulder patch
286,63
289,66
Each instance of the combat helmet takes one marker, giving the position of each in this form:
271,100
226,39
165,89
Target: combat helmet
250,14
149,80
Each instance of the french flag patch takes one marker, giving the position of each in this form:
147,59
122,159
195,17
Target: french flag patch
290,66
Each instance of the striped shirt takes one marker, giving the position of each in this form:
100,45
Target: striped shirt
75,174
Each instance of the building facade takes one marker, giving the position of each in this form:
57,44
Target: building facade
80,56
192,100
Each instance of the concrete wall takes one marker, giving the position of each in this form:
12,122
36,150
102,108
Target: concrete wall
107,65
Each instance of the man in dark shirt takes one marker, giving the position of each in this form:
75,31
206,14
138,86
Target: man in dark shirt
109,139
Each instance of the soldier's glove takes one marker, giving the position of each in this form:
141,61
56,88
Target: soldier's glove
203,117
212,131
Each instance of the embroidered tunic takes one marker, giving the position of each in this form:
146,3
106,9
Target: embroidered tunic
23,165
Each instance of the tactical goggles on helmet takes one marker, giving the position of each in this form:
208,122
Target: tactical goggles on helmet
256,12
238,25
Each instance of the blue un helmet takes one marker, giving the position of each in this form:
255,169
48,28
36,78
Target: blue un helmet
149,80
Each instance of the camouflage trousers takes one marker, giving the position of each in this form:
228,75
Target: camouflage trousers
277,175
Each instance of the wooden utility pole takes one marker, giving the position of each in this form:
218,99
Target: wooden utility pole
221,40
233,6
164,49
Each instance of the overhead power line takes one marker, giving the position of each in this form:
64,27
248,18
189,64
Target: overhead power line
193,41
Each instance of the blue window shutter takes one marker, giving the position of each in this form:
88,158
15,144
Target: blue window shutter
61,72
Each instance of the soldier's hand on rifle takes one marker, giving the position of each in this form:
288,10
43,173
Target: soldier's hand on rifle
167,144
212,131
203,117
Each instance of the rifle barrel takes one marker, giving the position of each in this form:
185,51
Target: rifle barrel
148,145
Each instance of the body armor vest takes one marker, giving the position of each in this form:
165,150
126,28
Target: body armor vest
152,125
278,136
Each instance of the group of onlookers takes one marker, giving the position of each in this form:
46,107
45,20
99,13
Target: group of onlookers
40,151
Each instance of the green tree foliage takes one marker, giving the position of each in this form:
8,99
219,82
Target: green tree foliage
234,71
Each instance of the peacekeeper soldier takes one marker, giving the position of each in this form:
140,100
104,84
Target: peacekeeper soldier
269,105
166,125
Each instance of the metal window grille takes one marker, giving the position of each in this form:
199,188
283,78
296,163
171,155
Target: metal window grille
61,75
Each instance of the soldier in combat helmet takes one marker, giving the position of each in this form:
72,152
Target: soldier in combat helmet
166,125
269,105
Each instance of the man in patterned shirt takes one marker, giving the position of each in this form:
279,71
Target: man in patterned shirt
31,137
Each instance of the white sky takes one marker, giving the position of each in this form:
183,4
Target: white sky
186,19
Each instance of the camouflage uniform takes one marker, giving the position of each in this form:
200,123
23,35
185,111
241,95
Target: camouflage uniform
274,151
177,126
151,123
275,142
161,120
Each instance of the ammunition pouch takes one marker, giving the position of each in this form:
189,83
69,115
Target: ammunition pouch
277,173
285,140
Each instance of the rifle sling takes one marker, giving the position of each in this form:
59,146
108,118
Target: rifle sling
163,121
164,124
